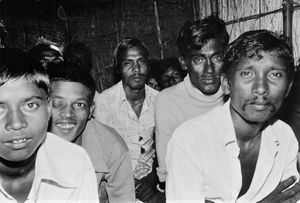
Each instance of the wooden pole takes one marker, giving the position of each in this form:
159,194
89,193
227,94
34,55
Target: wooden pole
214,7
287,13
158,31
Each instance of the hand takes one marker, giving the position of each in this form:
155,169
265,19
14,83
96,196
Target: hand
143,191
280,194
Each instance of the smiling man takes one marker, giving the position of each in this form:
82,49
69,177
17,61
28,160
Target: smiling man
128,107
36,166
72,94
240,152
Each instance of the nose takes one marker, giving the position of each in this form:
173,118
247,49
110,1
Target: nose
67,112
136,67
261,86
209,66
16,120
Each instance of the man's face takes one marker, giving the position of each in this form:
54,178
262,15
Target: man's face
134,68
49,56
70,109
204,66
24,116
257,87
170,77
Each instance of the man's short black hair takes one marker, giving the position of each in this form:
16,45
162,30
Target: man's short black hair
67,72
195,35
250,43
16,64
122,47
78,53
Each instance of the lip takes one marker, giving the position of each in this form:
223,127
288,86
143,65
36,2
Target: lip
65,125
17,143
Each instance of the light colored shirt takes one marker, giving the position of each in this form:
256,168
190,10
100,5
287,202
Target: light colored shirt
111,159
63,173
175,105
113,109
203,163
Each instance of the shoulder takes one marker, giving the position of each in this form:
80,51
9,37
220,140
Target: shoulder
110,92
199,128
283,131
170,94
108,136
64,149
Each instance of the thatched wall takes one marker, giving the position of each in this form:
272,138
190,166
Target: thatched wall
102,23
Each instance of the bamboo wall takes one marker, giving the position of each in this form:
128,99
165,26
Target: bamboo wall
235,9
103,23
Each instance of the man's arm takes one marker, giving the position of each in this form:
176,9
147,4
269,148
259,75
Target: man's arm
120,183
181,170
165,124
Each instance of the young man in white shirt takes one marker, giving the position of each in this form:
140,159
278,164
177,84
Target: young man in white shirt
36,166
240,152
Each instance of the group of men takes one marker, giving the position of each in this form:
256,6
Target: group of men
214,137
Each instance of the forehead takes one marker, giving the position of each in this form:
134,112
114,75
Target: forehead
69,90
49,53
21,88
135,52
213,46
262,60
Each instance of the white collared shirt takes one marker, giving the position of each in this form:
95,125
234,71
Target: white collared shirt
63,173
202,160
113,109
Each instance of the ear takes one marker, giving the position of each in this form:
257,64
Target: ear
182,62
225,84
92,108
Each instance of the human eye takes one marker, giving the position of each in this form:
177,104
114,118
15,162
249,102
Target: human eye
217,59
142,61
126,64
79,105
246,74
276,74
31,106
56,103
198,59
2,108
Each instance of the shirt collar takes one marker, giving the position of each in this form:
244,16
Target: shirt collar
198,95
229,136
149,94
47,168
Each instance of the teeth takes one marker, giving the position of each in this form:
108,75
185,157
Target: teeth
65,126
19,141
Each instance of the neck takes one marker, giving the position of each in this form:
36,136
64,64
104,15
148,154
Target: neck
245,131
13,169
134,95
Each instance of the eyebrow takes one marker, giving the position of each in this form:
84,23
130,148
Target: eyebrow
34,98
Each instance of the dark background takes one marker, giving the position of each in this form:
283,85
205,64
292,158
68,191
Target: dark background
99,23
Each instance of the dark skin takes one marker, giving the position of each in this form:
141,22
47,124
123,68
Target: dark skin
253,82
17,177
136,99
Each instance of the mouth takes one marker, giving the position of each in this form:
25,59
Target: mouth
18,143
260,105
65,126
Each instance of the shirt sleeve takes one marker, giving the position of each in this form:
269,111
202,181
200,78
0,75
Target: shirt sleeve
120,183
165,124
87,187
184,180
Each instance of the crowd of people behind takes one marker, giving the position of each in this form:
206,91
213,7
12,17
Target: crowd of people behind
202,127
